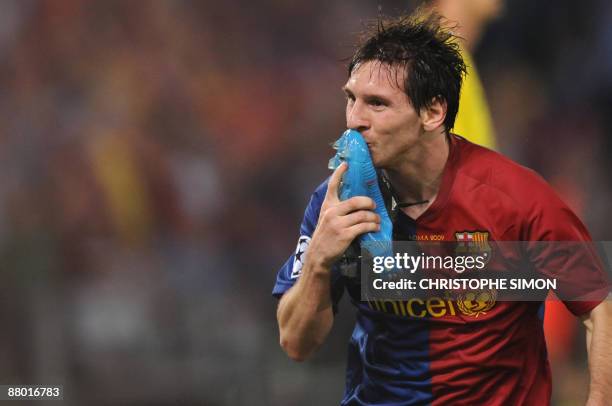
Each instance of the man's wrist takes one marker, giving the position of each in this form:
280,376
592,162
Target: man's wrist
317,267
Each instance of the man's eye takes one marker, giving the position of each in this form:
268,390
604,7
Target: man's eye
376,103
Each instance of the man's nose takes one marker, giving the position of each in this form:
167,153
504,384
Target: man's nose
356,117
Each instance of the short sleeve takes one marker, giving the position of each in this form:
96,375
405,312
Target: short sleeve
289,273
560,247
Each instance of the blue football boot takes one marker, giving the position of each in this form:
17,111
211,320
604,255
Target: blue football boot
361,179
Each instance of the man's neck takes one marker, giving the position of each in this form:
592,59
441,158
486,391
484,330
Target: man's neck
419,176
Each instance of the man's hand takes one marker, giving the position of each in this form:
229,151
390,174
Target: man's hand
340,222
304,313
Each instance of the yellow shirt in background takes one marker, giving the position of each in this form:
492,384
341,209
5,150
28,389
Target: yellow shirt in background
474,119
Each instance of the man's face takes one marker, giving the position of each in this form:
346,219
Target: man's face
378,107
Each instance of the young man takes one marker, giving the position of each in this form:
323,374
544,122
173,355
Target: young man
402,95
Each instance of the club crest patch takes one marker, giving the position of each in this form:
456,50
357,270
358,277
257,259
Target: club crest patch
473,243
300,256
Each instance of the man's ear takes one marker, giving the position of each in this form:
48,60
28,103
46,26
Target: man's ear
433,116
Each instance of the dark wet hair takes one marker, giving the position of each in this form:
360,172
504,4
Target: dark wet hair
428,52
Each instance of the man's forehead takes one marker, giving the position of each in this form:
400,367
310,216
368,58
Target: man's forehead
379,75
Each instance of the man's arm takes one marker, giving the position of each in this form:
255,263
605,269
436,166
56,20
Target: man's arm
599,347
305,314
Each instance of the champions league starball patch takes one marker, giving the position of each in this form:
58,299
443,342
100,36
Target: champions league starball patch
300,252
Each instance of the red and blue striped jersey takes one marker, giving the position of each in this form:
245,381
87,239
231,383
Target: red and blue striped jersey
439,351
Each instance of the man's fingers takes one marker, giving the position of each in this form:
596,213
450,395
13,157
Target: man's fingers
334,181
361,216
356,203
363,228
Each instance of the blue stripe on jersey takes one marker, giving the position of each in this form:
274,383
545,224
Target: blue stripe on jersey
388,358
388,362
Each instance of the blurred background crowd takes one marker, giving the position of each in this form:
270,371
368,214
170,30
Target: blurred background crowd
156,158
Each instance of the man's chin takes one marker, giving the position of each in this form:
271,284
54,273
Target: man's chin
375,161
378,163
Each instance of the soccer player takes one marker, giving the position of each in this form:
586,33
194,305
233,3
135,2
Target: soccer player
402,95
